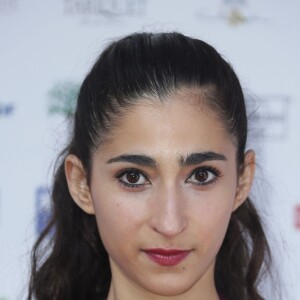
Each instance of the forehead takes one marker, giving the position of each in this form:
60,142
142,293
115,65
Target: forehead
177,125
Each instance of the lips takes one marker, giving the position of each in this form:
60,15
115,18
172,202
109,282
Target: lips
167,257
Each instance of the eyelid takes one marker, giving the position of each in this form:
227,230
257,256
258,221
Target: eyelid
132,185
127,170
215,171
212,169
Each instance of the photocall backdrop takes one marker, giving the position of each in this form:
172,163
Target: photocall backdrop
47,47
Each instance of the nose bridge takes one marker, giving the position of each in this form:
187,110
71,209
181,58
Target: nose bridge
169,217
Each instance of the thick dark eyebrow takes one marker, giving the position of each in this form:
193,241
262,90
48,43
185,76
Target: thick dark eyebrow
142,160
198,158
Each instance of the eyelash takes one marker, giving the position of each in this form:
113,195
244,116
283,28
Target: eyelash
216,173
131,185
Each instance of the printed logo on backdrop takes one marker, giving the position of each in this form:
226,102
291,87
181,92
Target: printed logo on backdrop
0,212
8,6
233,12
271,119
6,110
297,216
42,208
62,98
107,9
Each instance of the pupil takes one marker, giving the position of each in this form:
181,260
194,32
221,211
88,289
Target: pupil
201,176
133,177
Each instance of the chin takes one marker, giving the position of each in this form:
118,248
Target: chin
169,288
168,292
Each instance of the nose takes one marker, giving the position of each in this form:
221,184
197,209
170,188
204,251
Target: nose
169,213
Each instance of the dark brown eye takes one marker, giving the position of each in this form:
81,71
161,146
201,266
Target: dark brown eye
201,175
204,176
132,177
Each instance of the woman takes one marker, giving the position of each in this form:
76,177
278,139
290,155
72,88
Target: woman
150,199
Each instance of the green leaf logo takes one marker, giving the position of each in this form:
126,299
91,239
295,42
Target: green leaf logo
63,97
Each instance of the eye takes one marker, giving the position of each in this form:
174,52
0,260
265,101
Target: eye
132,178
203,176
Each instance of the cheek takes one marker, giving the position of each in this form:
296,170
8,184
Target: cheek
117,218
211,214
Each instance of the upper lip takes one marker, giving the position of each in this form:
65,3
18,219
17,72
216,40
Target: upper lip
164,251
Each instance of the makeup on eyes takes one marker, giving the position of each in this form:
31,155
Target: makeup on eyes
130,177
136,178
204,175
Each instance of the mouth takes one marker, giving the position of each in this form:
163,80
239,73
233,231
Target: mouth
167,257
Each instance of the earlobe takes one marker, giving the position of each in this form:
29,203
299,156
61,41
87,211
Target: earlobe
77,183
245,179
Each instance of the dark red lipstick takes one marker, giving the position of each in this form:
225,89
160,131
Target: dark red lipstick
167,257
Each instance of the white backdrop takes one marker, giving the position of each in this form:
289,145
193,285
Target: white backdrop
46,48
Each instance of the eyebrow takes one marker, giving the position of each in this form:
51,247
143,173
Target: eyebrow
142,160
148,161
198,158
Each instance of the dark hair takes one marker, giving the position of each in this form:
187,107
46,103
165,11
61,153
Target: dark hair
73,264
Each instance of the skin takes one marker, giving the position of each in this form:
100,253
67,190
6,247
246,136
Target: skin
168,207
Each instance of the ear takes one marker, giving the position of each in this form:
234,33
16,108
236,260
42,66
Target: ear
245,179
77,183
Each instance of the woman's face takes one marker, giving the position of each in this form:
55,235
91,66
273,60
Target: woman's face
163,190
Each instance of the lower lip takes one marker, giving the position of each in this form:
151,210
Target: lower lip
167,260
